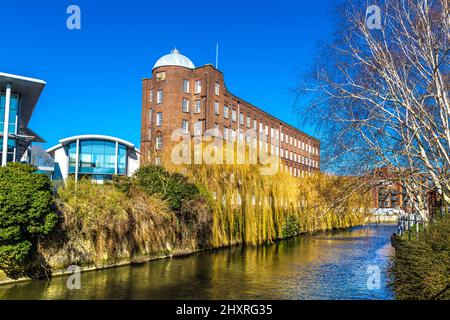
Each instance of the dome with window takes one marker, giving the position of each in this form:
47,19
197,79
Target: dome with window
175,58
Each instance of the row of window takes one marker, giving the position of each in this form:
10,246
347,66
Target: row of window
185,89
230,134
198,87
264,129
185,107
296,172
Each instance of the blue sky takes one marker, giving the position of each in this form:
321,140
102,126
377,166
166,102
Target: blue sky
94,74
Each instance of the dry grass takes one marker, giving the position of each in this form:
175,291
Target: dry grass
101,225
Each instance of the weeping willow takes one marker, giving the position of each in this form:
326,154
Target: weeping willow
252,208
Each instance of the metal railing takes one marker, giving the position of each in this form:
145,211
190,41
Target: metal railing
410,224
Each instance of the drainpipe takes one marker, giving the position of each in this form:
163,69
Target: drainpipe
6,125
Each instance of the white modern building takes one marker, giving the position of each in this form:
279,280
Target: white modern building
18,98
95,157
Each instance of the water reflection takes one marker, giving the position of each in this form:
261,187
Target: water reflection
325,266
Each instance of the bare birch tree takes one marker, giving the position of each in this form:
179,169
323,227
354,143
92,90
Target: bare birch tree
384,93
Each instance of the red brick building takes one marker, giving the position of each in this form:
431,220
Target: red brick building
181,96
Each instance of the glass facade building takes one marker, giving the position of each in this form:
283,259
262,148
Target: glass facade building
95,157
18,98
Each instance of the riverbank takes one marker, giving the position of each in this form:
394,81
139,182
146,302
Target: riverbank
177,253
325,265
4,280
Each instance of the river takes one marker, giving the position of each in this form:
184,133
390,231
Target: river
322,266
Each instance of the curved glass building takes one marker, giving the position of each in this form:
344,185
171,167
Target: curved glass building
96,157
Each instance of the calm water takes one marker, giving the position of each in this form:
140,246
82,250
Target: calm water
324,266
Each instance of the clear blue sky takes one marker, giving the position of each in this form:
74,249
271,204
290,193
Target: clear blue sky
94,74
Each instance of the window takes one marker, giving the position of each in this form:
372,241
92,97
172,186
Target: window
217,89
266,130
185,85
261,127
282,137
198,106
225,112
216,129
248,122
241,118
158,161
185,105
198,128
233,115
160,76
159,143
216,107
151,95
225,133
272,132
159,119
159,96
198,86
185,126
150,116
255,124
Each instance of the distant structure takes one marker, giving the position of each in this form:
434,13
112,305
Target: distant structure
95,157
181,96
18,98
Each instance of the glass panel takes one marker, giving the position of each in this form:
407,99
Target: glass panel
98,158
11,148
72,157
13,111
122,161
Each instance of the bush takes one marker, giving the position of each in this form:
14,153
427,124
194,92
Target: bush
171,187
421,268
26,214
291,227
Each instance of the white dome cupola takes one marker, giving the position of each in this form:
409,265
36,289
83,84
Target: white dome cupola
175,58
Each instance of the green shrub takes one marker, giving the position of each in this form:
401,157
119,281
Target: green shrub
421,268
291,227
171,187
26,214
